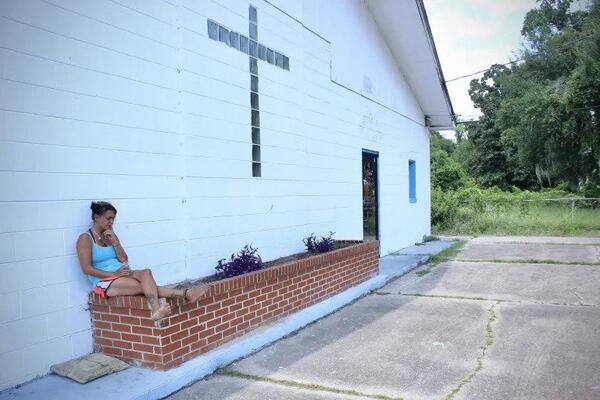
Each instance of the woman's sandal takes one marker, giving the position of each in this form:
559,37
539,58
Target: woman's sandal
163,312
193,294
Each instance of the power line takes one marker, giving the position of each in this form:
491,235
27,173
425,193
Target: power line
483,70
597,106
523,58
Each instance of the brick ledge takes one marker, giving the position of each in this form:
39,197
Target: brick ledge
232,307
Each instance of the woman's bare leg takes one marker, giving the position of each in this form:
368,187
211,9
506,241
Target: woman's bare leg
125,287
170,292
140,282
192,294
144,276
131,286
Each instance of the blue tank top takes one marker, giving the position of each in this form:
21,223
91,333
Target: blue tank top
104,258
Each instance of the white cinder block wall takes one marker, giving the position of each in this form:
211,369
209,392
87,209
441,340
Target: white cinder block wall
130,101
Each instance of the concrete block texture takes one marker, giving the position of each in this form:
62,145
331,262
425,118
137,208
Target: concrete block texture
134,104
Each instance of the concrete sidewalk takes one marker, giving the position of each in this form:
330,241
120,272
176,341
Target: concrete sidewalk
139,383
513,320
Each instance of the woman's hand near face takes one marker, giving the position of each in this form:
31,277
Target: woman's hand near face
110,237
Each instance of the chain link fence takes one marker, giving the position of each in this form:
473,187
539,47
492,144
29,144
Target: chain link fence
560,215
571,203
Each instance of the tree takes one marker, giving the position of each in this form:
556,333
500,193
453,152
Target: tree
438,142
583,96
549,19
540,122
446,173
546,116
489,163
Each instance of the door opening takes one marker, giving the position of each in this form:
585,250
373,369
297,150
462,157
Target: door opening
370,195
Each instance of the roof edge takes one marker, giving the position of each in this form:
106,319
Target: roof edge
425,22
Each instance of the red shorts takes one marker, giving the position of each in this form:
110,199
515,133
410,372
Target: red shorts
102,287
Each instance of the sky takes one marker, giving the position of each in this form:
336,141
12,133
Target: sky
471,35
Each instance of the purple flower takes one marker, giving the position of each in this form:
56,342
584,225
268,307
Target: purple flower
322,245
246,260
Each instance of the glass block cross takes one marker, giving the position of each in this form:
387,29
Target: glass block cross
256,51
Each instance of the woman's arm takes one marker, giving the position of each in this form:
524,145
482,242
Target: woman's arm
113,239
84,253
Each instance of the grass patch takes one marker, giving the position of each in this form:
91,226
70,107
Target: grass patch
302,385
426,239
429,238
523,219
442,296
444,255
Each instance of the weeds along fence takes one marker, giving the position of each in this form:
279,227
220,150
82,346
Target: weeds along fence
561,215
563,207
570,202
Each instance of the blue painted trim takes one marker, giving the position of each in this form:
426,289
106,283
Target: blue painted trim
412,181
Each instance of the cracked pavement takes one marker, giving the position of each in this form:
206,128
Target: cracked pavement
519,322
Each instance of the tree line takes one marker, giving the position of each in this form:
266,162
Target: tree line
540,122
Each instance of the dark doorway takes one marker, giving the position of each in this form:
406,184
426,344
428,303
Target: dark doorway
370,195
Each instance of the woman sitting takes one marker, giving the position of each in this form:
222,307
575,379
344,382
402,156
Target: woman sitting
104,261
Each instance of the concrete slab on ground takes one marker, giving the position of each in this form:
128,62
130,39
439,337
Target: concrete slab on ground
548,283
536,239
89,367
425,249
464,330
540,352
232,388
396,346
398,265
572,253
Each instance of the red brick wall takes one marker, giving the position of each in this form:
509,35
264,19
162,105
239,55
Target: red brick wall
123,328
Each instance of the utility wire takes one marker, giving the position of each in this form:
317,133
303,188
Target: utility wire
478,115
522,58
483,70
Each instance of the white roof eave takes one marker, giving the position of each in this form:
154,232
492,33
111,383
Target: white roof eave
406,30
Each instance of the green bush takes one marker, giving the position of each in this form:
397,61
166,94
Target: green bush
591,191
446,173
443,208
459,206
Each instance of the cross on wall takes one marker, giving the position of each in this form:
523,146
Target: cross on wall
256,51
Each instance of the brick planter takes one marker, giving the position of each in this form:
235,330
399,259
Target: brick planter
123,328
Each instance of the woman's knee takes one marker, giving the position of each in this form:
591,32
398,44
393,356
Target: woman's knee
124,286
146,272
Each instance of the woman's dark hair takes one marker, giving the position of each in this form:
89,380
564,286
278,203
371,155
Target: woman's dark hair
100,207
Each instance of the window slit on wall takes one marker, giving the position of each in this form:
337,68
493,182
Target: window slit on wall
412,181
255,50
254,110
